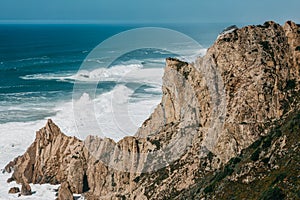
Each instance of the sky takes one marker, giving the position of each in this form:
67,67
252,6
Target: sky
148,11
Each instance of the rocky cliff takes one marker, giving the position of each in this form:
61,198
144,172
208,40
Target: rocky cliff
52,158
211,110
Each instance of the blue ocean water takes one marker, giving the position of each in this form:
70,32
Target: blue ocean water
34,58
39,70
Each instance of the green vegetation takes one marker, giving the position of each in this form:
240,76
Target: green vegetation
226,171
273,194
156,143
137,179
255,144
255,156
267,142
266,182
290,84
280,177
265,45
209,189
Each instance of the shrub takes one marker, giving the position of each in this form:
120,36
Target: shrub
267,142
279,177
290,84
255,144
265,45
209,189
273,194
156,143
255,156
236,160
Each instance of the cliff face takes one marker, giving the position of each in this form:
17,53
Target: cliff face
210,111
52,158
260,70
267,169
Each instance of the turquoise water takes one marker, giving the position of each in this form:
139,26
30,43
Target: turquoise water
33,58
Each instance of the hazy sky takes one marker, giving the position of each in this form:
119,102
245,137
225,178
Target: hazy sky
154,11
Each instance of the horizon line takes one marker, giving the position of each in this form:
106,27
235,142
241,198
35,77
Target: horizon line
40,22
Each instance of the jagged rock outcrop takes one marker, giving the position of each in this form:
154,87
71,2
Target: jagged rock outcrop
64,192
210,111
52,158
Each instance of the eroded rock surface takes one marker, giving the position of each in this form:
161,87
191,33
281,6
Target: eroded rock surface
52,158
210,111
64,192
26,189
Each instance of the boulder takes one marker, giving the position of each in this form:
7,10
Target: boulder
14,190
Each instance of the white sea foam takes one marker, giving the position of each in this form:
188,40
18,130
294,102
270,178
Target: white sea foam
47,76
16,136
124,73
45,191
107,74
34,58
118,112
117,115
99,61
153,90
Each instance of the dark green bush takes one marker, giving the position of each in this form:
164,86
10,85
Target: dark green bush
136,179
267,142
273,194
290,84
255,144
255,155
235,160
279,177
265,45
266,160
156,143
209,189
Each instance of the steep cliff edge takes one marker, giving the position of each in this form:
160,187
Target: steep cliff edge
260,70
52,158
210,111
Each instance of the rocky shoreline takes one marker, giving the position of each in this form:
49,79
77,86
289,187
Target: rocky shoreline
211,111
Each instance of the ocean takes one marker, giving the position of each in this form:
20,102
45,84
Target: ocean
40,64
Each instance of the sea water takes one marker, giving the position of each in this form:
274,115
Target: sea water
38,68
